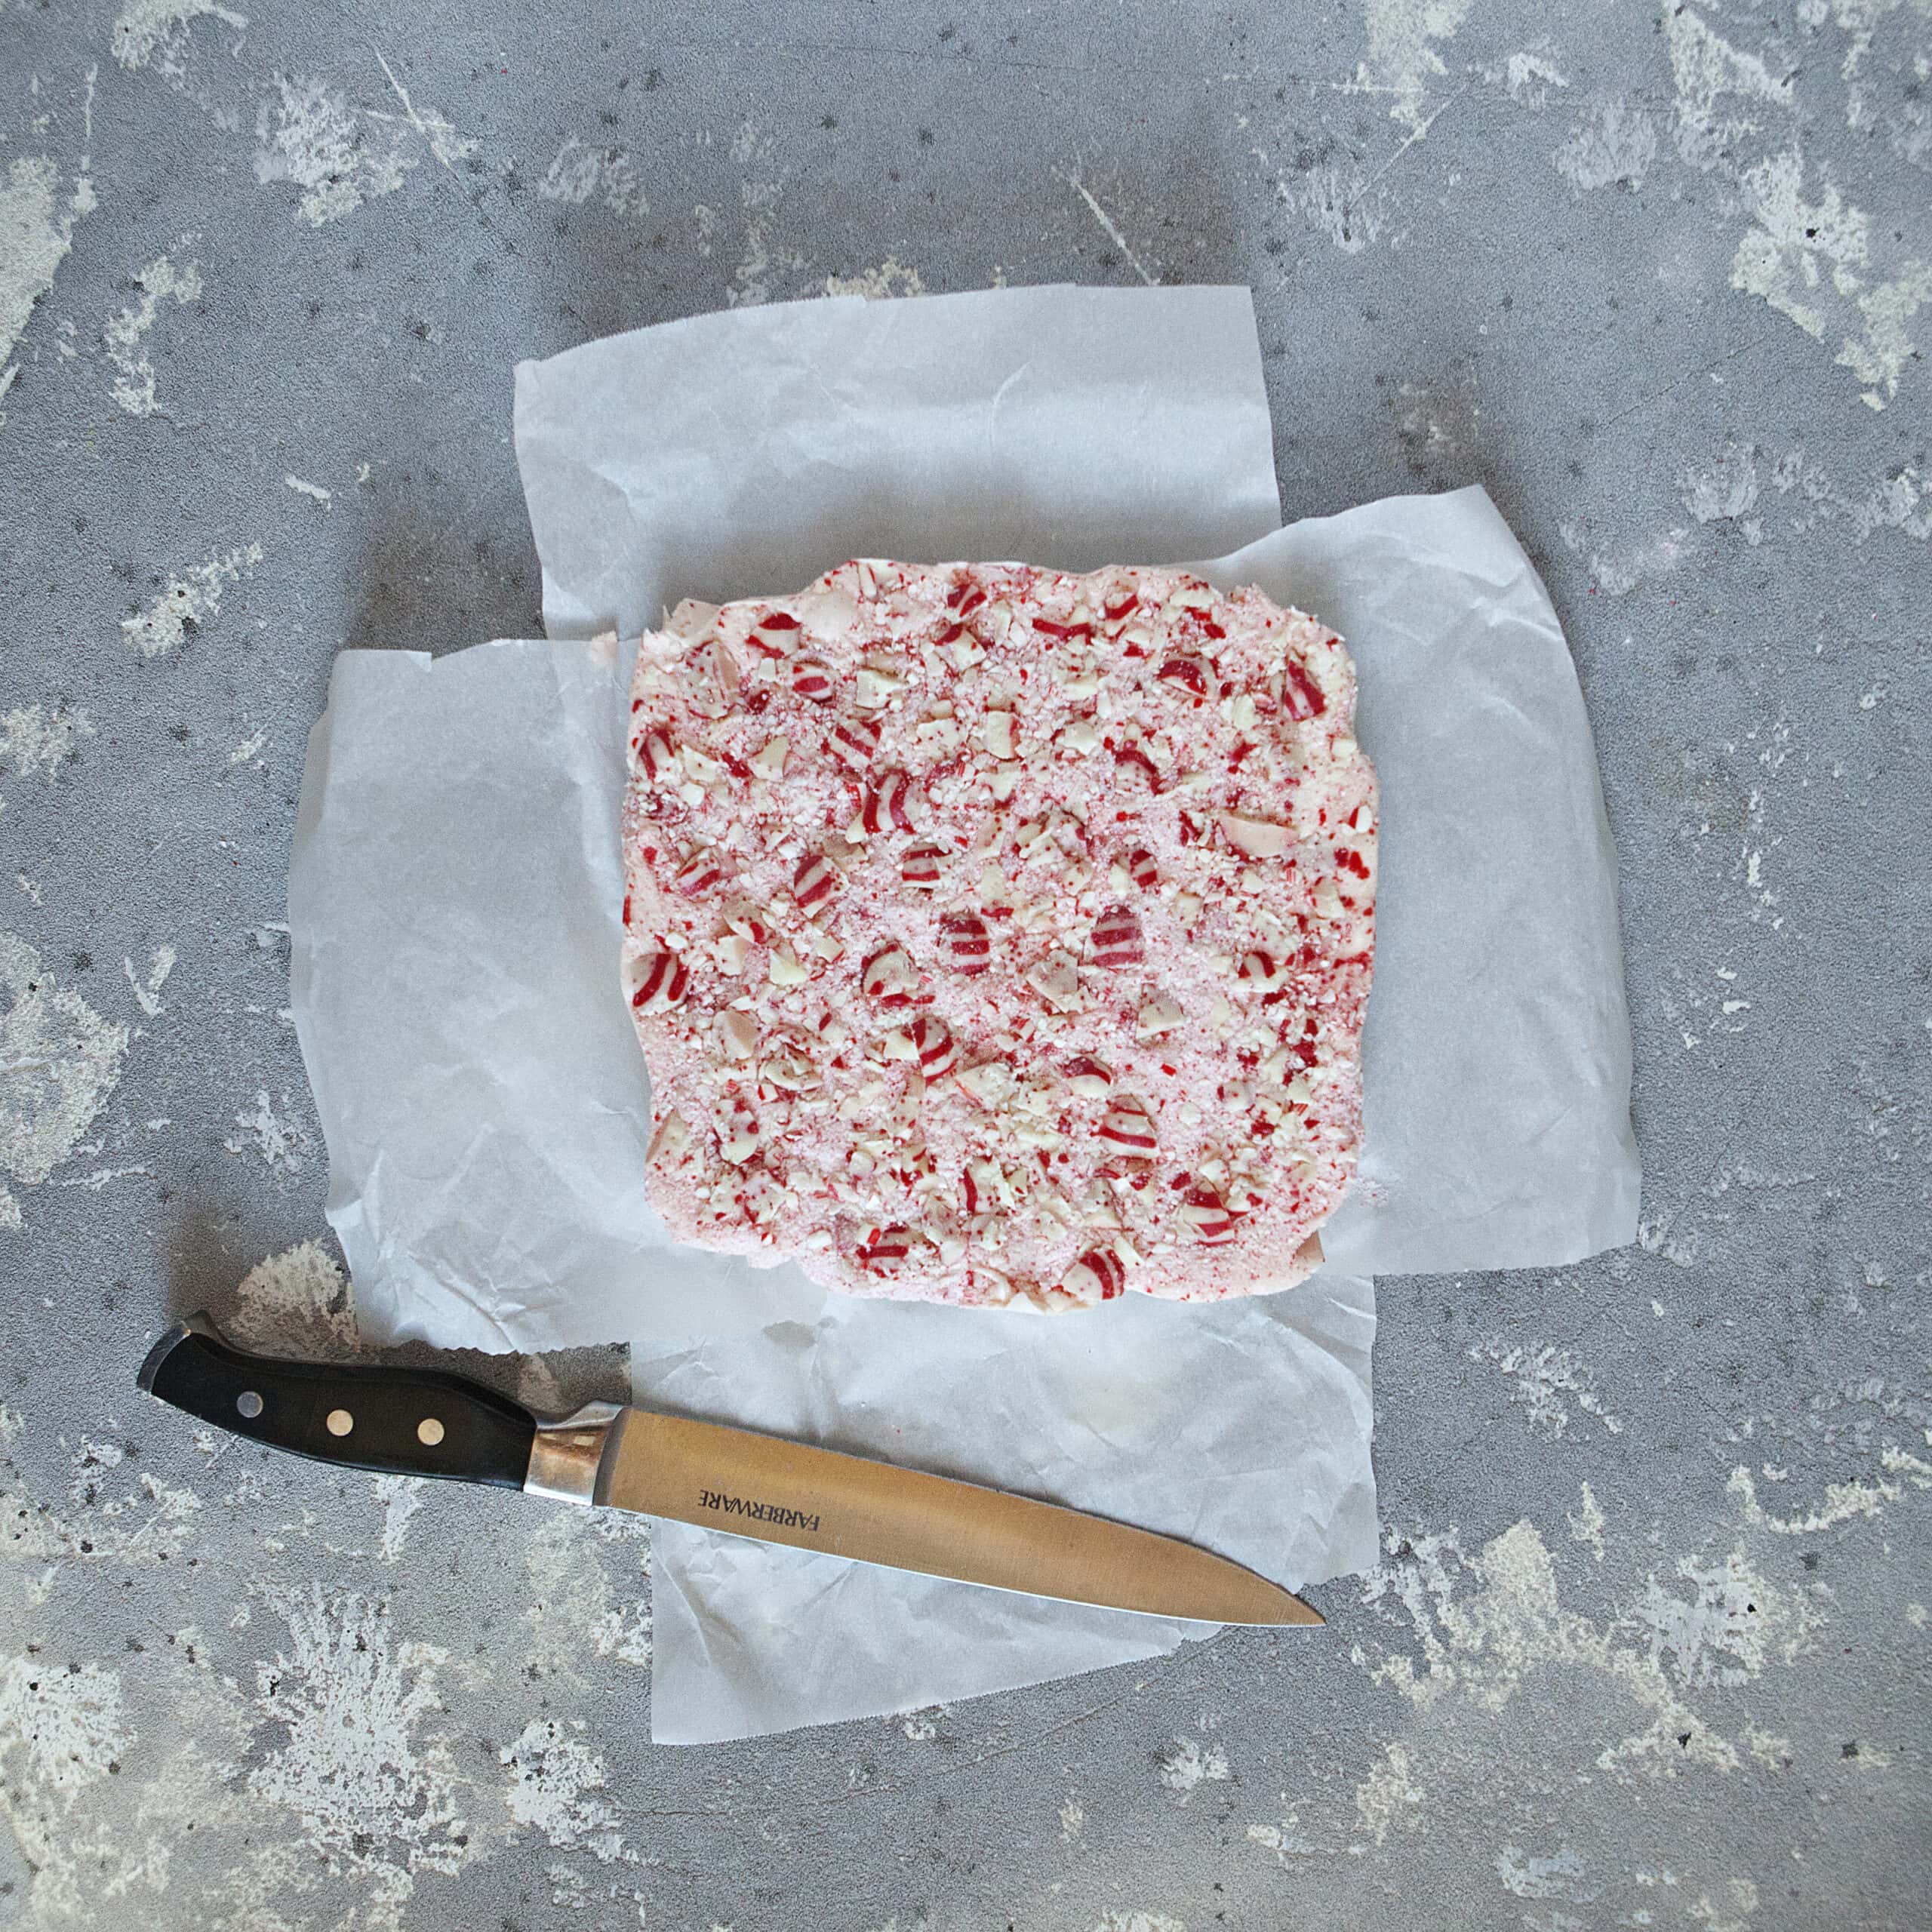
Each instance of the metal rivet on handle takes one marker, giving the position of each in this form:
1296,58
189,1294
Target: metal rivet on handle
429,1430
340,1422
249,1402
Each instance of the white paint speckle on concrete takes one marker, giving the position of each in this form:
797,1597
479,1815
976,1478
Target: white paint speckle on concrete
125,335
59,1061
193,598
37,218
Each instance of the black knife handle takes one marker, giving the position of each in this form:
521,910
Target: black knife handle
405,1422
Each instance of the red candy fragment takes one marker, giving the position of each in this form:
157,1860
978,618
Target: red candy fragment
938,1052
810,679
888,801
659,760
1208,1215
1186,674
812,883
883,1250
964,943
700,873
889,976
1098,1276
1301,694
856,740
662,983
1127,1125
920,867
1086,1075
1116,941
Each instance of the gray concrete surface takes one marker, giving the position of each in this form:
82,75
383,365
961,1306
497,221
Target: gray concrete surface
1649,1645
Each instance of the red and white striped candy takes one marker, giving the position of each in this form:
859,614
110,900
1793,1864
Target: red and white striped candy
768,636
659,760
1301,696
964,943
889,976
702,872
1206,1213
1098,1276
1133,756
920,867
1088,1077
810,679
1116,940
1127,1126
883,1250
1142,870
662,979
855,740
1185,673
766,646
812,883
888,801
1261,969
938,1049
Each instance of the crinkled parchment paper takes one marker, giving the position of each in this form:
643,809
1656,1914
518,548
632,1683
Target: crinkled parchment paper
453,900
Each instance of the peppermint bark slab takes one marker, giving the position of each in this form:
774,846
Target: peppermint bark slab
997,936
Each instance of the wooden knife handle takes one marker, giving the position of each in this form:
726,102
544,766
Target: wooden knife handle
408,1422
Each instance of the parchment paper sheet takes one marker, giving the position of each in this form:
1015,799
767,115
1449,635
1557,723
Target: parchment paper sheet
1496,1054
453,906
729,455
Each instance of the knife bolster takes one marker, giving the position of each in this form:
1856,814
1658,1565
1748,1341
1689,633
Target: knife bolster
567,1455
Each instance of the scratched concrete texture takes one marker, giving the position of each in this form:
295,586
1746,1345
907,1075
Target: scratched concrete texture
1648,1643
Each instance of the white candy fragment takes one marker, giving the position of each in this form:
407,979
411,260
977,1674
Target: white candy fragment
1158,1016
738,1134
1056,979
783,970
770,763
1259,837
737,1034
875,686
989,1082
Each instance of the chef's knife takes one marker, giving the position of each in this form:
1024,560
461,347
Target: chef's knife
428,1423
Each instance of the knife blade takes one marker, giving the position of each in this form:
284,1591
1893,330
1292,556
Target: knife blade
416,1421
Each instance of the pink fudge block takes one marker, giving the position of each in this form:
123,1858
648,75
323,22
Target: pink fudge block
999,936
